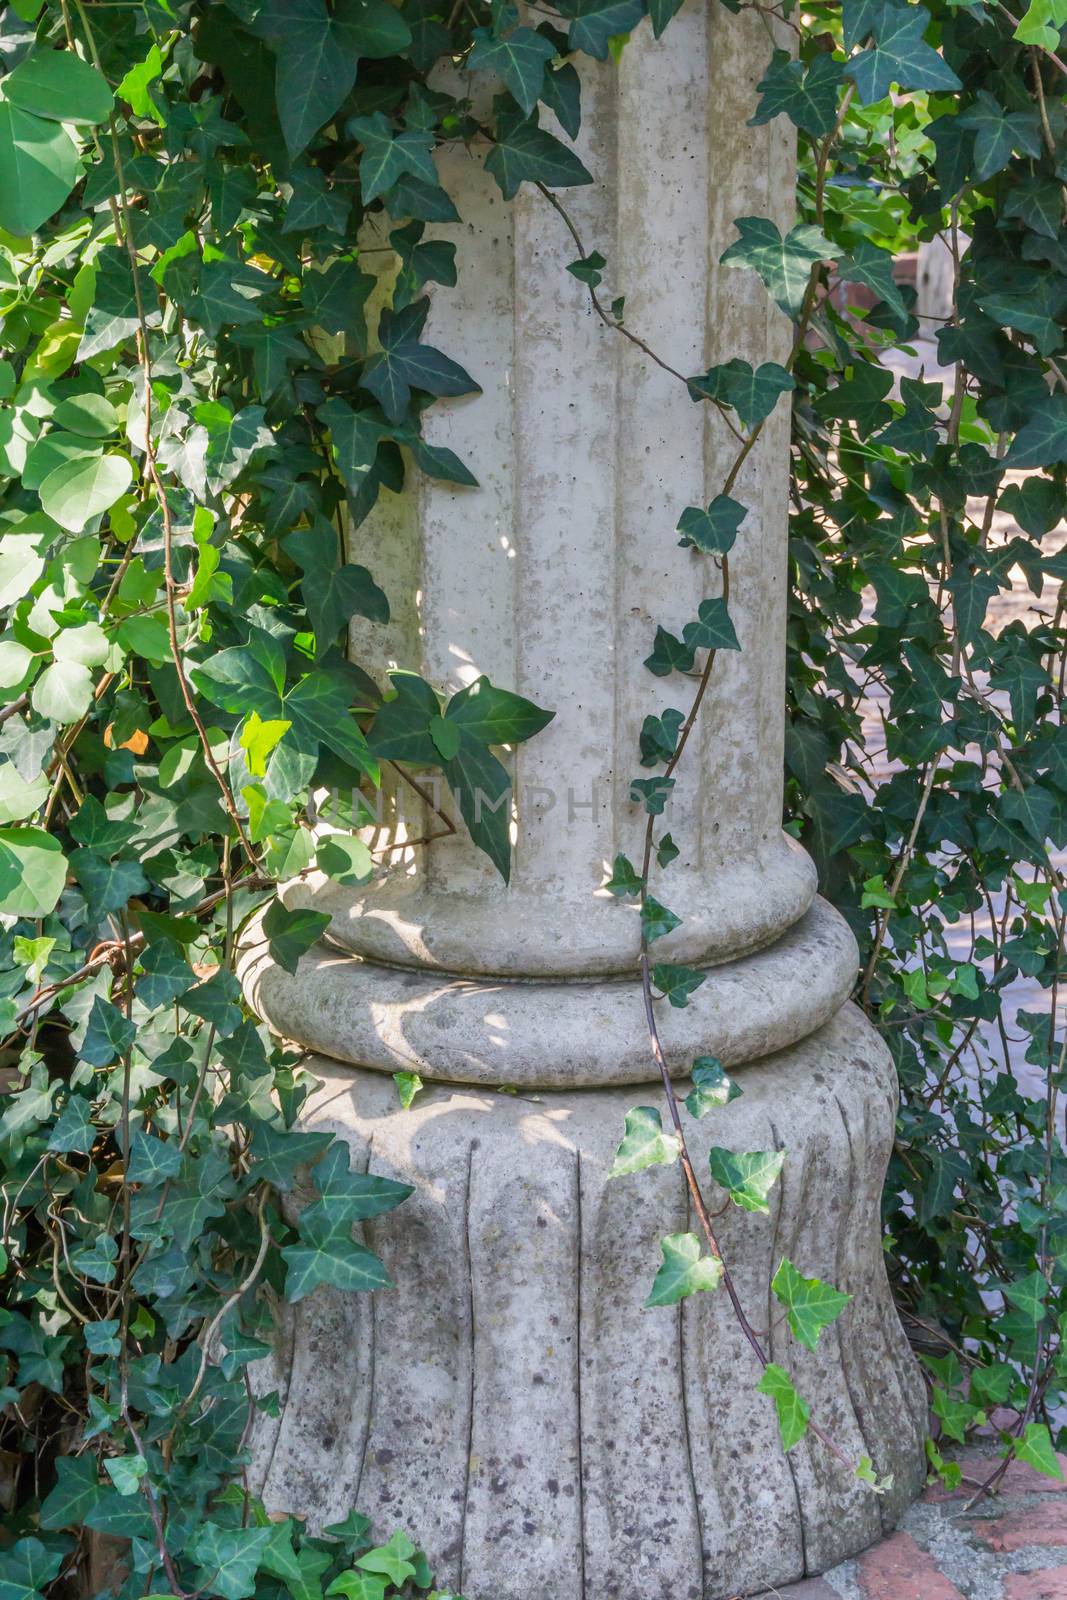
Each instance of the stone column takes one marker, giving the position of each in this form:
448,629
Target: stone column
511,1402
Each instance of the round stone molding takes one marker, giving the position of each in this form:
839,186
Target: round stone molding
549,1034
515,1406
563,931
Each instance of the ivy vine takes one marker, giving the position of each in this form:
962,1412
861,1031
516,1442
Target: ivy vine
201,398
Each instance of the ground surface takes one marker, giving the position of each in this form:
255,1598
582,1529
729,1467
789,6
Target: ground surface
1011,1547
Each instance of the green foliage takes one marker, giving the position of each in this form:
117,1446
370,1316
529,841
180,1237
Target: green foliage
810,1304
645,1144
792,1411
935,821
205,388
685,1270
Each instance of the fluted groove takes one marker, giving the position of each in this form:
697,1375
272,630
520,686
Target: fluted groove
568,1441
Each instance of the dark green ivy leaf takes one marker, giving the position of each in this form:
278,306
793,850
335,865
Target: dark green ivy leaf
519,57
109,1036
807,94
403,364
753,394
784,265
899,55
318,51
526,153
713,531
676,982
595,22
291,934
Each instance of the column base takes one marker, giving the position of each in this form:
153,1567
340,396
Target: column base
545,1033
513,1405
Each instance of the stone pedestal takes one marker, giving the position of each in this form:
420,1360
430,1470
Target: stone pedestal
511,1403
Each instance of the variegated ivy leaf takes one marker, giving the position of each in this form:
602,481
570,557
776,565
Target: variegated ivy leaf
811,1304
747,1177
712,1087
685,1270
793,1412
644,1143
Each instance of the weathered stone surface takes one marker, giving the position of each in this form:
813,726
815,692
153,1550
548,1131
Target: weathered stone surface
550,1034
513,1402
552,576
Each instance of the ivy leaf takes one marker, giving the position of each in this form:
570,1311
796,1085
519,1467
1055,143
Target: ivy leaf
666,851
318,52
807,94
109,1036
624,882
1035,1449
345,1195
401,729
333,593
404,364
408,1085
33,870
336,297
233,440
659,737
38,168
713,629
387,155
657,921
519,57
392,1559
73,1131
784,265
526,153
495,716
327,1253
281,1152
291,934
229,1558
811,1304
685,1270
748,1176
74,1497
596,22
669,654
1042,440
482,788
998,133
899,55
29,1566
872,267
108,885
676,983
793,1412
358,1586
712,531
152,1161
712,1087
652,793
753,394
644,1143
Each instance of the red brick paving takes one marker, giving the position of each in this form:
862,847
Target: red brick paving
1048,1585
1043,1523
1009,1530
897,1569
